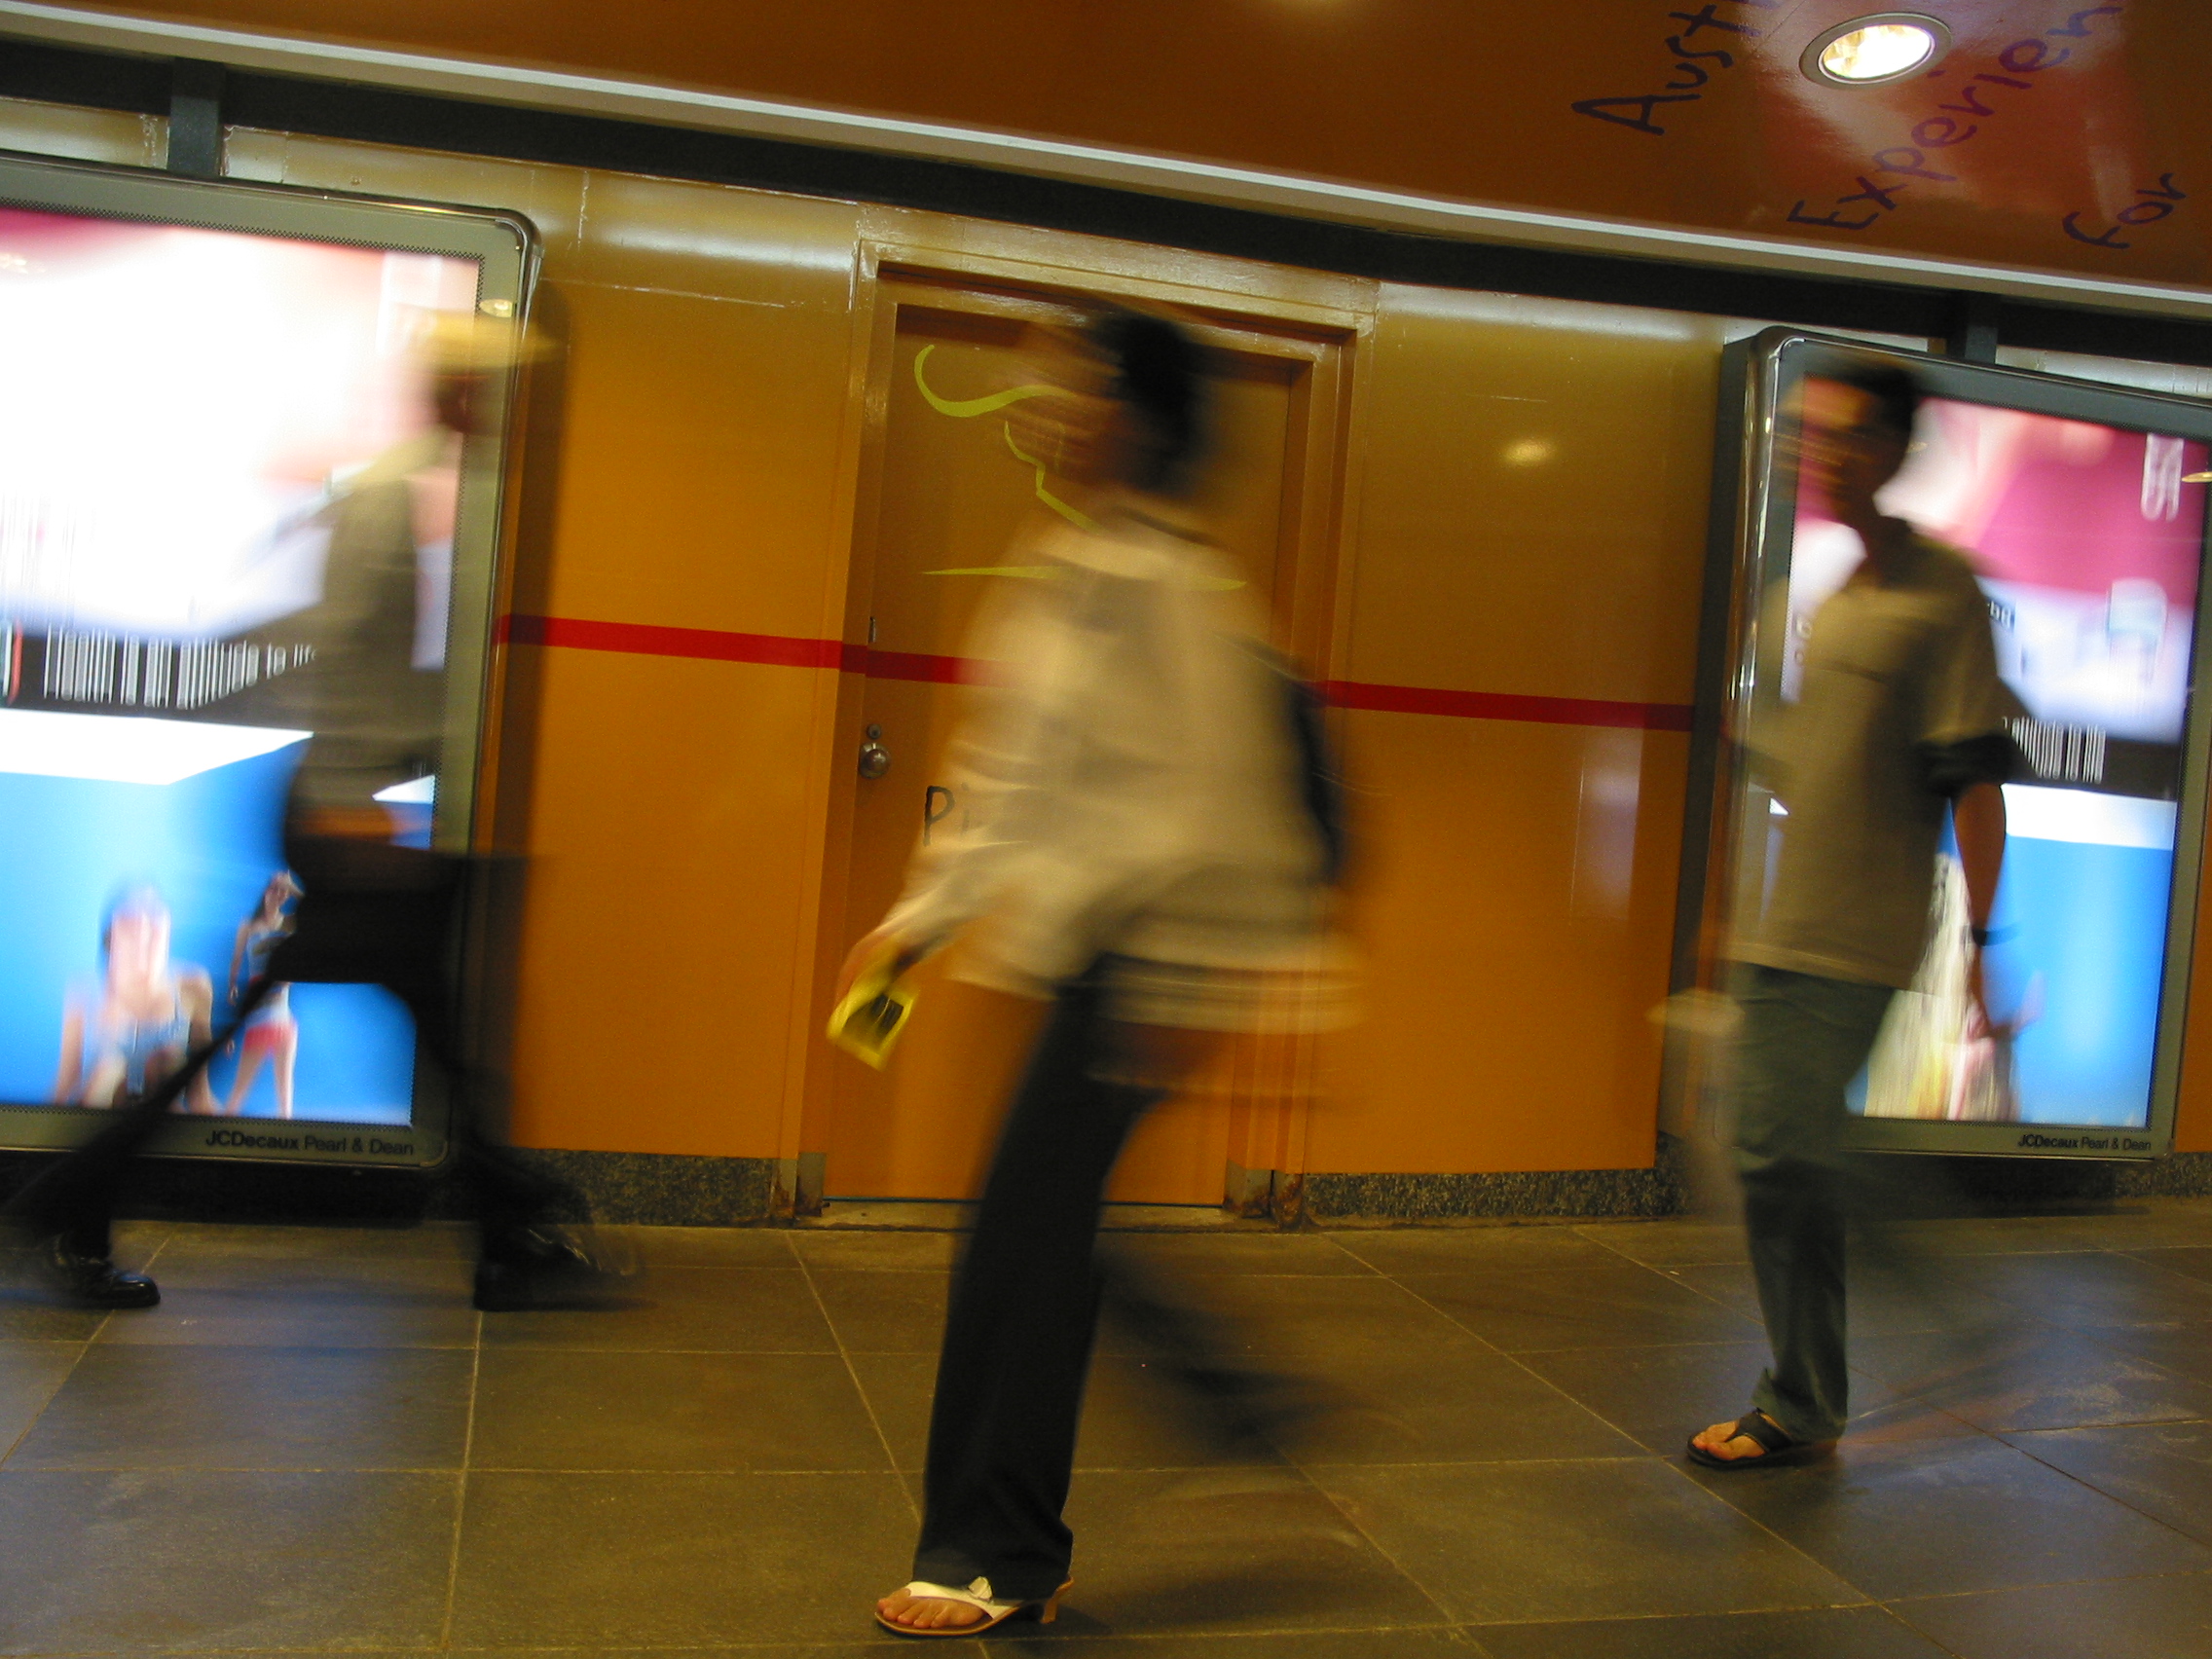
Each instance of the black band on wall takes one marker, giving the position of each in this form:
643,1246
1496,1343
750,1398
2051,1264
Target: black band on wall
349,110
196,118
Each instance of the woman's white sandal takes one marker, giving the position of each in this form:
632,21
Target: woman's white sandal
979,1596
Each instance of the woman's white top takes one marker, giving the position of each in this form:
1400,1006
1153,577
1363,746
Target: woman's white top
1125,778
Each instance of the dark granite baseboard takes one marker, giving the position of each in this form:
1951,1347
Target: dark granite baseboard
2029,1186
1500,1194
633,1187
2177,1175
665,1189
650,1188
224,1190
1930,1186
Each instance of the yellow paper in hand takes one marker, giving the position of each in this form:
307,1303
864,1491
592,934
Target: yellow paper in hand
869,1022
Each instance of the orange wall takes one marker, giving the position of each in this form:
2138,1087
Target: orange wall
1525,513
1468,101
1530,518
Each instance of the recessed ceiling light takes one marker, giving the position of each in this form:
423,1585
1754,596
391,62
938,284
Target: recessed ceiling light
1883,46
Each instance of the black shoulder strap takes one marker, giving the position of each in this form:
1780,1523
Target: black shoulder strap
1322,781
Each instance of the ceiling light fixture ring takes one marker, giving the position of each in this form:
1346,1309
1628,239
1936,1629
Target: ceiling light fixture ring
1889,34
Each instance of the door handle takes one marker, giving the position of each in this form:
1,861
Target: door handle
876,759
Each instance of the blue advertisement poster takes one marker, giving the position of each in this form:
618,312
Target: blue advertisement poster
161,582
138,856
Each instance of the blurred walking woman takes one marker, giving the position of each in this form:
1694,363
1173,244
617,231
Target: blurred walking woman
1145,850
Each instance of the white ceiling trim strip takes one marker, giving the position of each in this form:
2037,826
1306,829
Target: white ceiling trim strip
1128,170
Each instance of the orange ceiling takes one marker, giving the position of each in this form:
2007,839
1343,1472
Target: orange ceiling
2055,133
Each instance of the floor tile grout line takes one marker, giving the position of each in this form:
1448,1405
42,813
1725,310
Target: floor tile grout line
1665,1459
2023,1322
2136,1252
1517,1360
1669,1461
830,1648
1612,1620
1931,1639
722,1650
1995,1437
2004,1434
16,1445
1906,1620
2091,1485
1374,1543
2096,1339
1610,1347
1673,1462
461,1485
1398,1285
1973,1429
1518,1357
83,1348
1336,1240
100,1325
1607,1244
1895,1605
1639,1455
1680,1469
853,1376
1672,1275
1661,1272
449,1471
2053,1584
845,1357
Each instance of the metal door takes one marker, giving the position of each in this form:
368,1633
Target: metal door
948,491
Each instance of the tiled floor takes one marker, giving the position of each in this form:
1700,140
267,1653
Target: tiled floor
314,1445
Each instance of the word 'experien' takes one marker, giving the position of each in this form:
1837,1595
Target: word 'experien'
1635,113
2029,56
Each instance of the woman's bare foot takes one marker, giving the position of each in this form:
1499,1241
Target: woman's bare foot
927,1612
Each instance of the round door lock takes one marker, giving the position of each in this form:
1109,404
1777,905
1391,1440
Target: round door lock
876,759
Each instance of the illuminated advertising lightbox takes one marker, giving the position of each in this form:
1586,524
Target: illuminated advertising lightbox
2082,510
212,388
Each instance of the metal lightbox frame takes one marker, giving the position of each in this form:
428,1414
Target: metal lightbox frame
506,248
1753,520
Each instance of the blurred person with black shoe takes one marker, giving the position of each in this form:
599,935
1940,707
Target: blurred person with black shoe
370,909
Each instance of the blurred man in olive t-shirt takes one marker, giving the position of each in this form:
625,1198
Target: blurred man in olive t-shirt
1902,716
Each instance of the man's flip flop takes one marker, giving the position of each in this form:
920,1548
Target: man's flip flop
1773,1443
979,1596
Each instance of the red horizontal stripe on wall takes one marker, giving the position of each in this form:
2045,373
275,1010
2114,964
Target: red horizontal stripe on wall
715,645
645,638
906,665
1507,706
785,651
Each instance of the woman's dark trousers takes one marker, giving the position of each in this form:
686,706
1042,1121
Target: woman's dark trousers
1018,1332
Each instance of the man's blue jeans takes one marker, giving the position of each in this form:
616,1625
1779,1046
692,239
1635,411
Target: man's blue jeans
1802,1040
